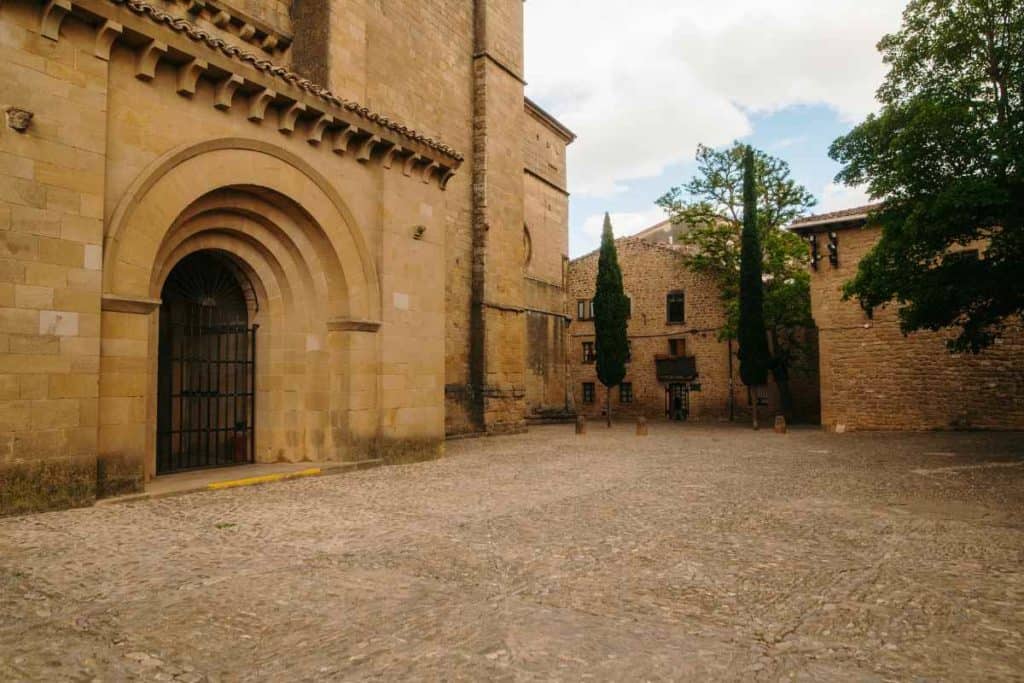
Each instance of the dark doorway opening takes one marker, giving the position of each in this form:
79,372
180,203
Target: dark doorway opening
677,401
206,385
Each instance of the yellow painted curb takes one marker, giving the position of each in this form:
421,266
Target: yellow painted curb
265,479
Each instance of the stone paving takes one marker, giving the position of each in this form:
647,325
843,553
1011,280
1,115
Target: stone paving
695,553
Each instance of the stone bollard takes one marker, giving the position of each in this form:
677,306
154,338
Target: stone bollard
581,425
780,424
641,426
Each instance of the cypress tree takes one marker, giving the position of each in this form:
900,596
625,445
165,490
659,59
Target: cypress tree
755,358
610,311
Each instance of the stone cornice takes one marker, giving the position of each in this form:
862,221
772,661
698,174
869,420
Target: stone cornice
303,107
119,303
350,325
245,26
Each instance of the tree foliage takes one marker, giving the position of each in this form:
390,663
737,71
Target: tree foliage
611,309
946,154
755,359
709,211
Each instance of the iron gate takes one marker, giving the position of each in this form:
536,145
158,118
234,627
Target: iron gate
207,396
677,401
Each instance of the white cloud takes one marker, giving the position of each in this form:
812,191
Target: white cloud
836,197
643,86
624,224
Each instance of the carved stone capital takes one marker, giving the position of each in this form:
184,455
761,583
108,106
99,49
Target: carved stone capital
17,118
120,303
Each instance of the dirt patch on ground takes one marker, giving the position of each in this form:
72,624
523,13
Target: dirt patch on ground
695,552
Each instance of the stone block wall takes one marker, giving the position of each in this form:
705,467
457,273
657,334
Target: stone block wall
651,270
51,231
875,378
546,248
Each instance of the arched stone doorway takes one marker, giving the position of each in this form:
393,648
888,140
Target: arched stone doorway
309,282
206,384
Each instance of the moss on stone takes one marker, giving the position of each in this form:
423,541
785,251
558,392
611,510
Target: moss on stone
47,485
118,475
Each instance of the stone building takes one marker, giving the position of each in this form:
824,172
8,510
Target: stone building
875,378
679,368
230,232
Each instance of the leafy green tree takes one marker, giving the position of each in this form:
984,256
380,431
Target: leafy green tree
709,209
946,154
755,359
611,309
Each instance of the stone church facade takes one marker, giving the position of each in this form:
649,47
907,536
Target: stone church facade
223,229
875,378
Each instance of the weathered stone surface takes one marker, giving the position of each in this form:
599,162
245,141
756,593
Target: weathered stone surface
51,484
874,377
697,553
119,476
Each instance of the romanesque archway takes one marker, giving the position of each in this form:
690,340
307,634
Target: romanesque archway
283,235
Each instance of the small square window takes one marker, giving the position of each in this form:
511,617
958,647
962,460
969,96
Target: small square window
588,392
589,354
677,347
629,350
626,392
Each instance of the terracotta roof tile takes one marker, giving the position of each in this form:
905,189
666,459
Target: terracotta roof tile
836,216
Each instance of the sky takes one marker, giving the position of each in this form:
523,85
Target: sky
643,83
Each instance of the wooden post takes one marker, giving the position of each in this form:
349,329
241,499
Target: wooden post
581,425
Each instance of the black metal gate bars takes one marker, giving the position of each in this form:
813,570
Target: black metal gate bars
207,396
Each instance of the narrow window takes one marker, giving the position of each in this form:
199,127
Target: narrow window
626,392
677,347
676,305
629,350
588,392
581,309
589,354
591,316
629,307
